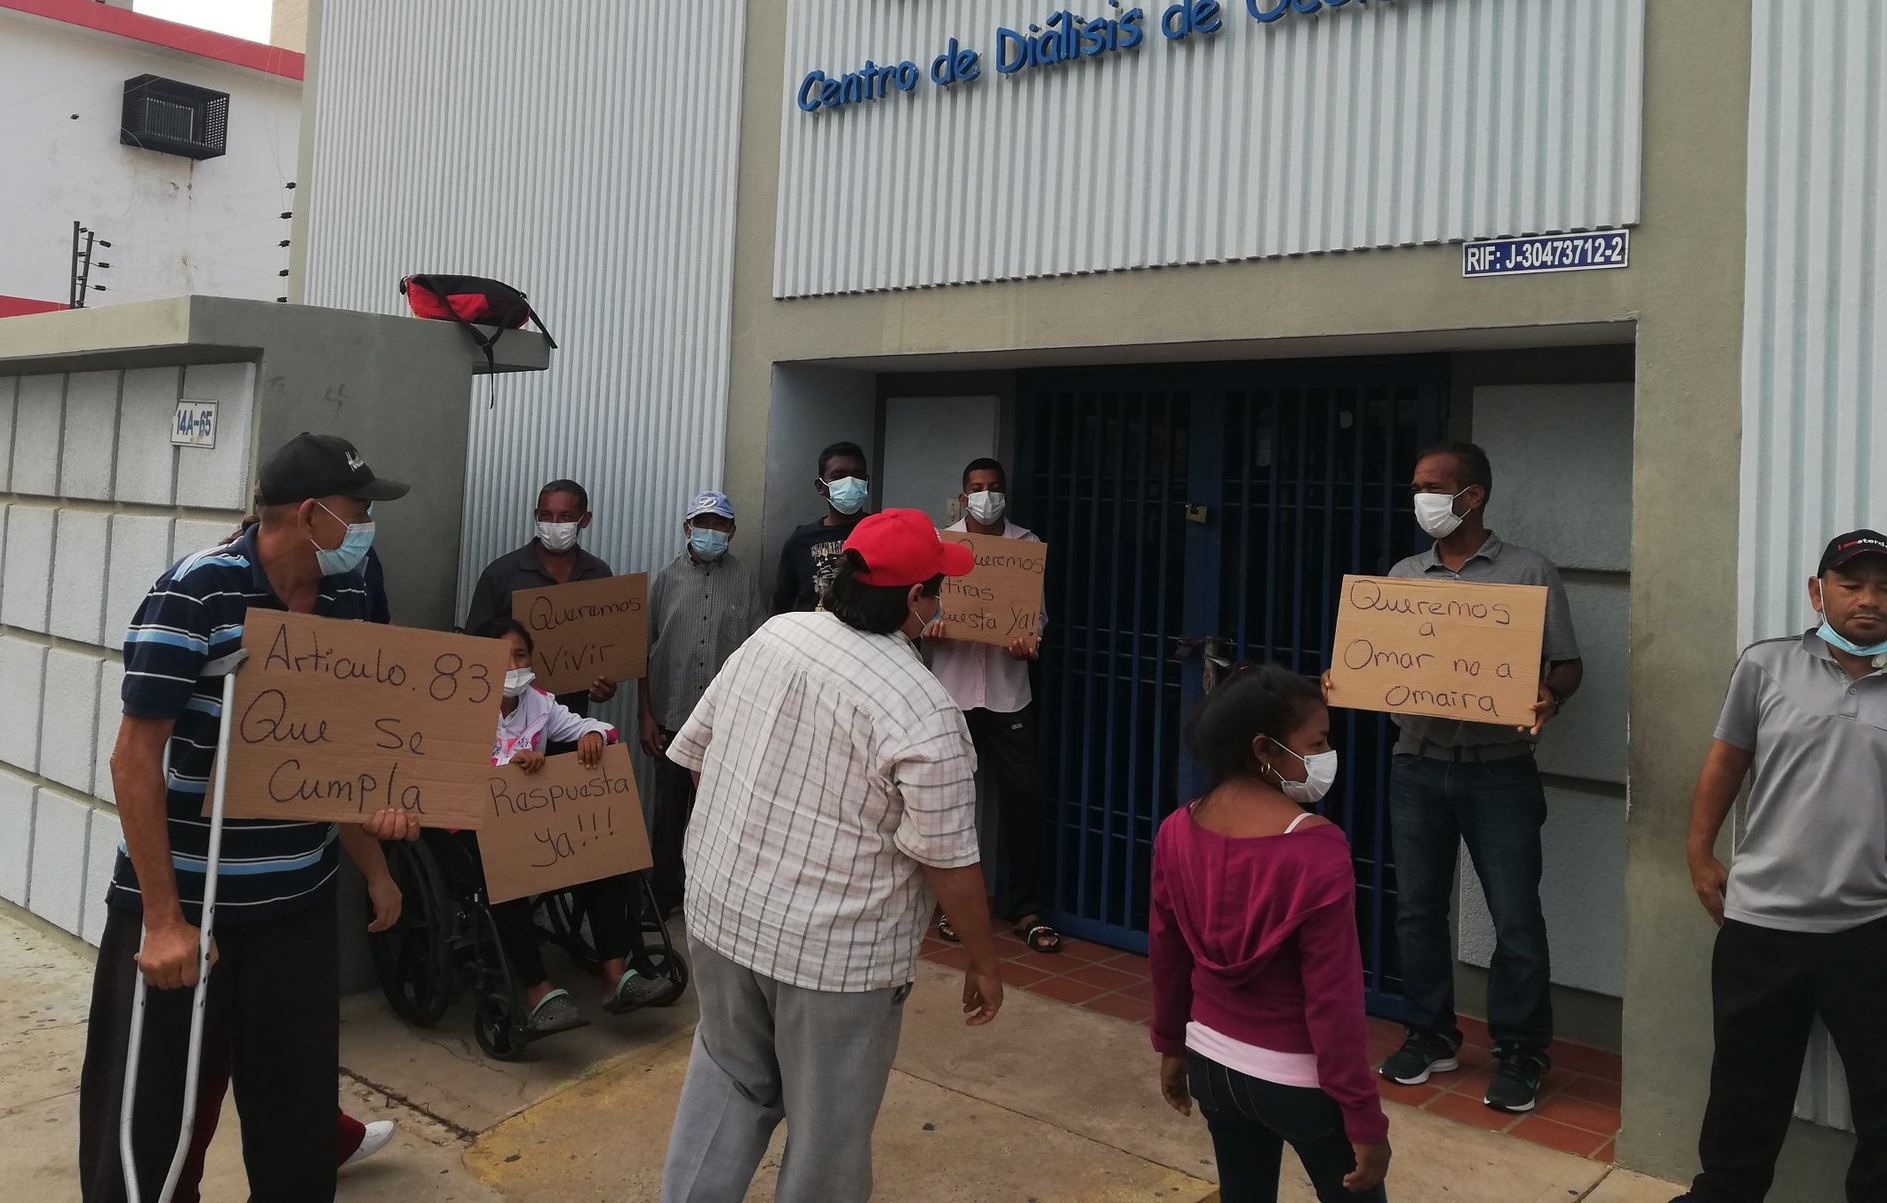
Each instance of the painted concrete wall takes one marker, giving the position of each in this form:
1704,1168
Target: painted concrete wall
176,226
1562,485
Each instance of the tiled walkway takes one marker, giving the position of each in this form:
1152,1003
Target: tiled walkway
1578,1111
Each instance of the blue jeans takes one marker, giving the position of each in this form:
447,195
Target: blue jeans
1251,1120
1497,807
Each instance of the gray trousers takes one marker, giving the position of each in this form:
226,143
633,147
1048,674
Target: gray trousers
766,1051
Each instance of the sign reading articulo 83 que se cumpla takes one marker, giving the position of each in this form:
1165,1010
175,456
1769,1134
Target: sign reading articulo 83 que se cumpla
1063,36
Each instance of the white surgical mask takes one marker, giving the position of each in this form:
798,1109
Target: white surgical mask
1435,513
988,507
517,681
558,536
847,494
1321,773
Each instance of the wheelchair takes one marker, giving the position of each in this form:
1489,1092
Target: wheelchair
446,938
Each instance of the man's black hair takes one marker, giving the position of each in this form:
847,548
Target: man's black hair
842,450
986,464
1471,464
874,609
566,486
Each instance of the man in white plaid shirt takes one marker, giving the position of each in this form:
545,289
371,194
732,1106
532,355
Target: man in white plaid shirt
836,807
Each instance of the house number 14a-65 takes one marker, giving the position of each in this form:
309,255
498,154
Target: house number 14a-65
196,424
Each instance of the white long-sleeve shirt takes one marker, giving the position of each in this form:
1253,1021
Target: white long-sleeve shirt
540,719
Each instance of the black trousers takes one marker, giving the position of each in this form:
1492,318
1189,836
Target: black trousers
668,827
1767,986
1005,745
1251,1120
274,997
613,905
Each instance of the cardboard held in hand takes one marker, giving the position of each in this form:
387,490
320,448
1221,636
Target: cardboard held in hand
335,720
587,629
561,826
1000,601
1448,649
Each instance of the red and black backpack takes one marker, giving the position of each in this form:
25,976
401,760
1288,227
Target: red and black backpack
472,301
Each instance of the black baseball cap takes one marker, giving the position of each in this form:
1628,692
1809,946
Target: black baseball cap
1845,549
321,465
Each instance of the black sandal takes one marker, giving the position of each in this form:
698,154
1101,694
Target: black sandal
1040,937
947,932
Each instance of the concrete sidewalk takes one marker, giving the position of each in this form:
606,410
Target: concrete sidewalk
1049,1103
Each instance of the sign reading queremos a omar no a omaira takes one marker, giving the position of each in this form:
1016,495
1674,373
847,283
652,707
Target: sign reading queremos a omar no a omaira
1448,649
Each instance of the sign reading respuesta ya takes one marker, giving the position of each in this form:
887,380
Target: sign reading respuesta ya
1448,649
587,629
1000,601
334,720
561,826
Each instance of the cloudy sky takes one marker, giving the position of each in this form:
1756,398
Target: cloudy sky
238,18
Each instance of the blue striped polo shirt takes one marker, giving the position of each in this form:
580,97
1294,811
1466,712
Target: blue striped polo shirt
191,620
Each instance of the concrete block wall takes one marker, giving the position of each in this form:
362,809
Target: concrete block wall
95,503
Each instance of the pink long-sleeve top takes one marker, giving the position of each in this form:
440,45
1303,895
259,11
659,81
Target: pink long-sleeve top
1255,938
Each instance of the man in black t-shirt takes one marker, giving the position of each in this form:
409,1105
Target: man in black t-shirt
810,558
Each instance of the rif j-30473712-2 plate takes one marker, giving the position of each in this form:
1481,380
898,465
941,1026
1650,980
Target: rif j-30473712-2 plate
1595,250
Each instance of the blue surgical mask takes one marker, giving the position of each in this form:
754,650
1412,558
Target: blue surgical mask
1834,638
708,544
339,561
847,494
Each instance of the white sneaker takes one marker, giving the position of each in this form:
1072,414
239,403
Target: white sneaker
379,1135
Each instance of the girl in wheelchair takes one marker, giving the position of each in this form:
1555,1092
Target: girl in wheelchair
528,719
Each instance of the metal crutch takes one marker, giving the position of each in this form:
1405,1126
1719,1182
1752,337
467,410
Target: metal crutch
225,668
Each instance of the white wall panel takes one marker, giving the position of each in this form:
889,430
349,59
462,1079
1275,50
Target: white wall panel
571,152
1814,323
1362,125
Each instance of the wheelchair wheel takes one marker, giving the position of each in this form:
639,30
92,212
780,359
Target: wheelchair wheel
497,1026
413,958
499,1022
569,929
668,963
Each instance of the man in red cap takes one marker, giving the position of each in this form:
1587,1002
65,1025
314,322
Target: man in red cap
836,806
1802,910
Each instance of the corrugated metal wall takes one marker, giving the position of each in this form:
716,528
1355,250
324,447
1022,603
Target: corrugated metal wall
1813,328
1365,125
569,151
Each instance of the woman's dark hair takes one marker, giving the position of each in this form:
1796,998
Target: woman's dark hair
498,628
1251,700
878,609
566,486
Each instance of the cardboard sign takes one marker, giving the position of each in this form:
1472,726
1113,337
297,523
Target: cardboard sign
587,629
1000,601
335,720
560,826
1448,649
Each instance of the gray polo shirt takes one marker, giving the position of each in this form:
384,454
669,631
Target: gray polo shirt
1497,563
1811,855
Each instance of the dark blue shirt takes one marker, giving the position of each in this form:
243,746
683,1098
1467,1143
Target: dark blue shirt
191,620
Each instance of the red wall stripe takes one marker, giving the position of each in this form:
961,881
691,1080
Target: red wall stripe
16,306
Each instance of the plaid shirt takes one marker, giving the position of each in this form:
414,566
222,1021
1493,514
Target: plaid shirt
833,768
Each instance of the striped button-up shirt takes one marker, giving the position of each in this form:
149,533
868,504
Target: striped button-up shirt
192,619
699,612
834,767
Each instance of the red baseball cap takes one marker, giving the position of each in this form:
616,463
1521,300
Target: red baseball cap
902,548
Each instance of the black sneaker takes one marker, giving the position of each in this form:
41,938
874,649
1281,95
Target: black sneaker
1422,1054
1516,1086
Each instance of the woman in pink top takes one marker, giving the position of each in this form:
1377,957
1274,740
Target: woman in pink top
1257,973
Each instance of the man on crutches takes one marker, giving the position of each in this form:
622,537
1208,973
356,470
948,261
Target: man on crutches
273,996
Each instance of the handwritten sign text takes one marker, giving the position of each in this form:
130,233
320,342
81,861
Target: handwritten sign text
560,826
587,629
1000,601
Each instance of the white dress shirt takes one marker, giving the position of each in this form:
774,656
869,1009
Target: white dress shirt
982,676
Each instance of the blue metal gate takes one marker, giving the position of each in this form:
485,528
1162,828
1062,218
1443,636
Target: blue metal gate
1196,516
